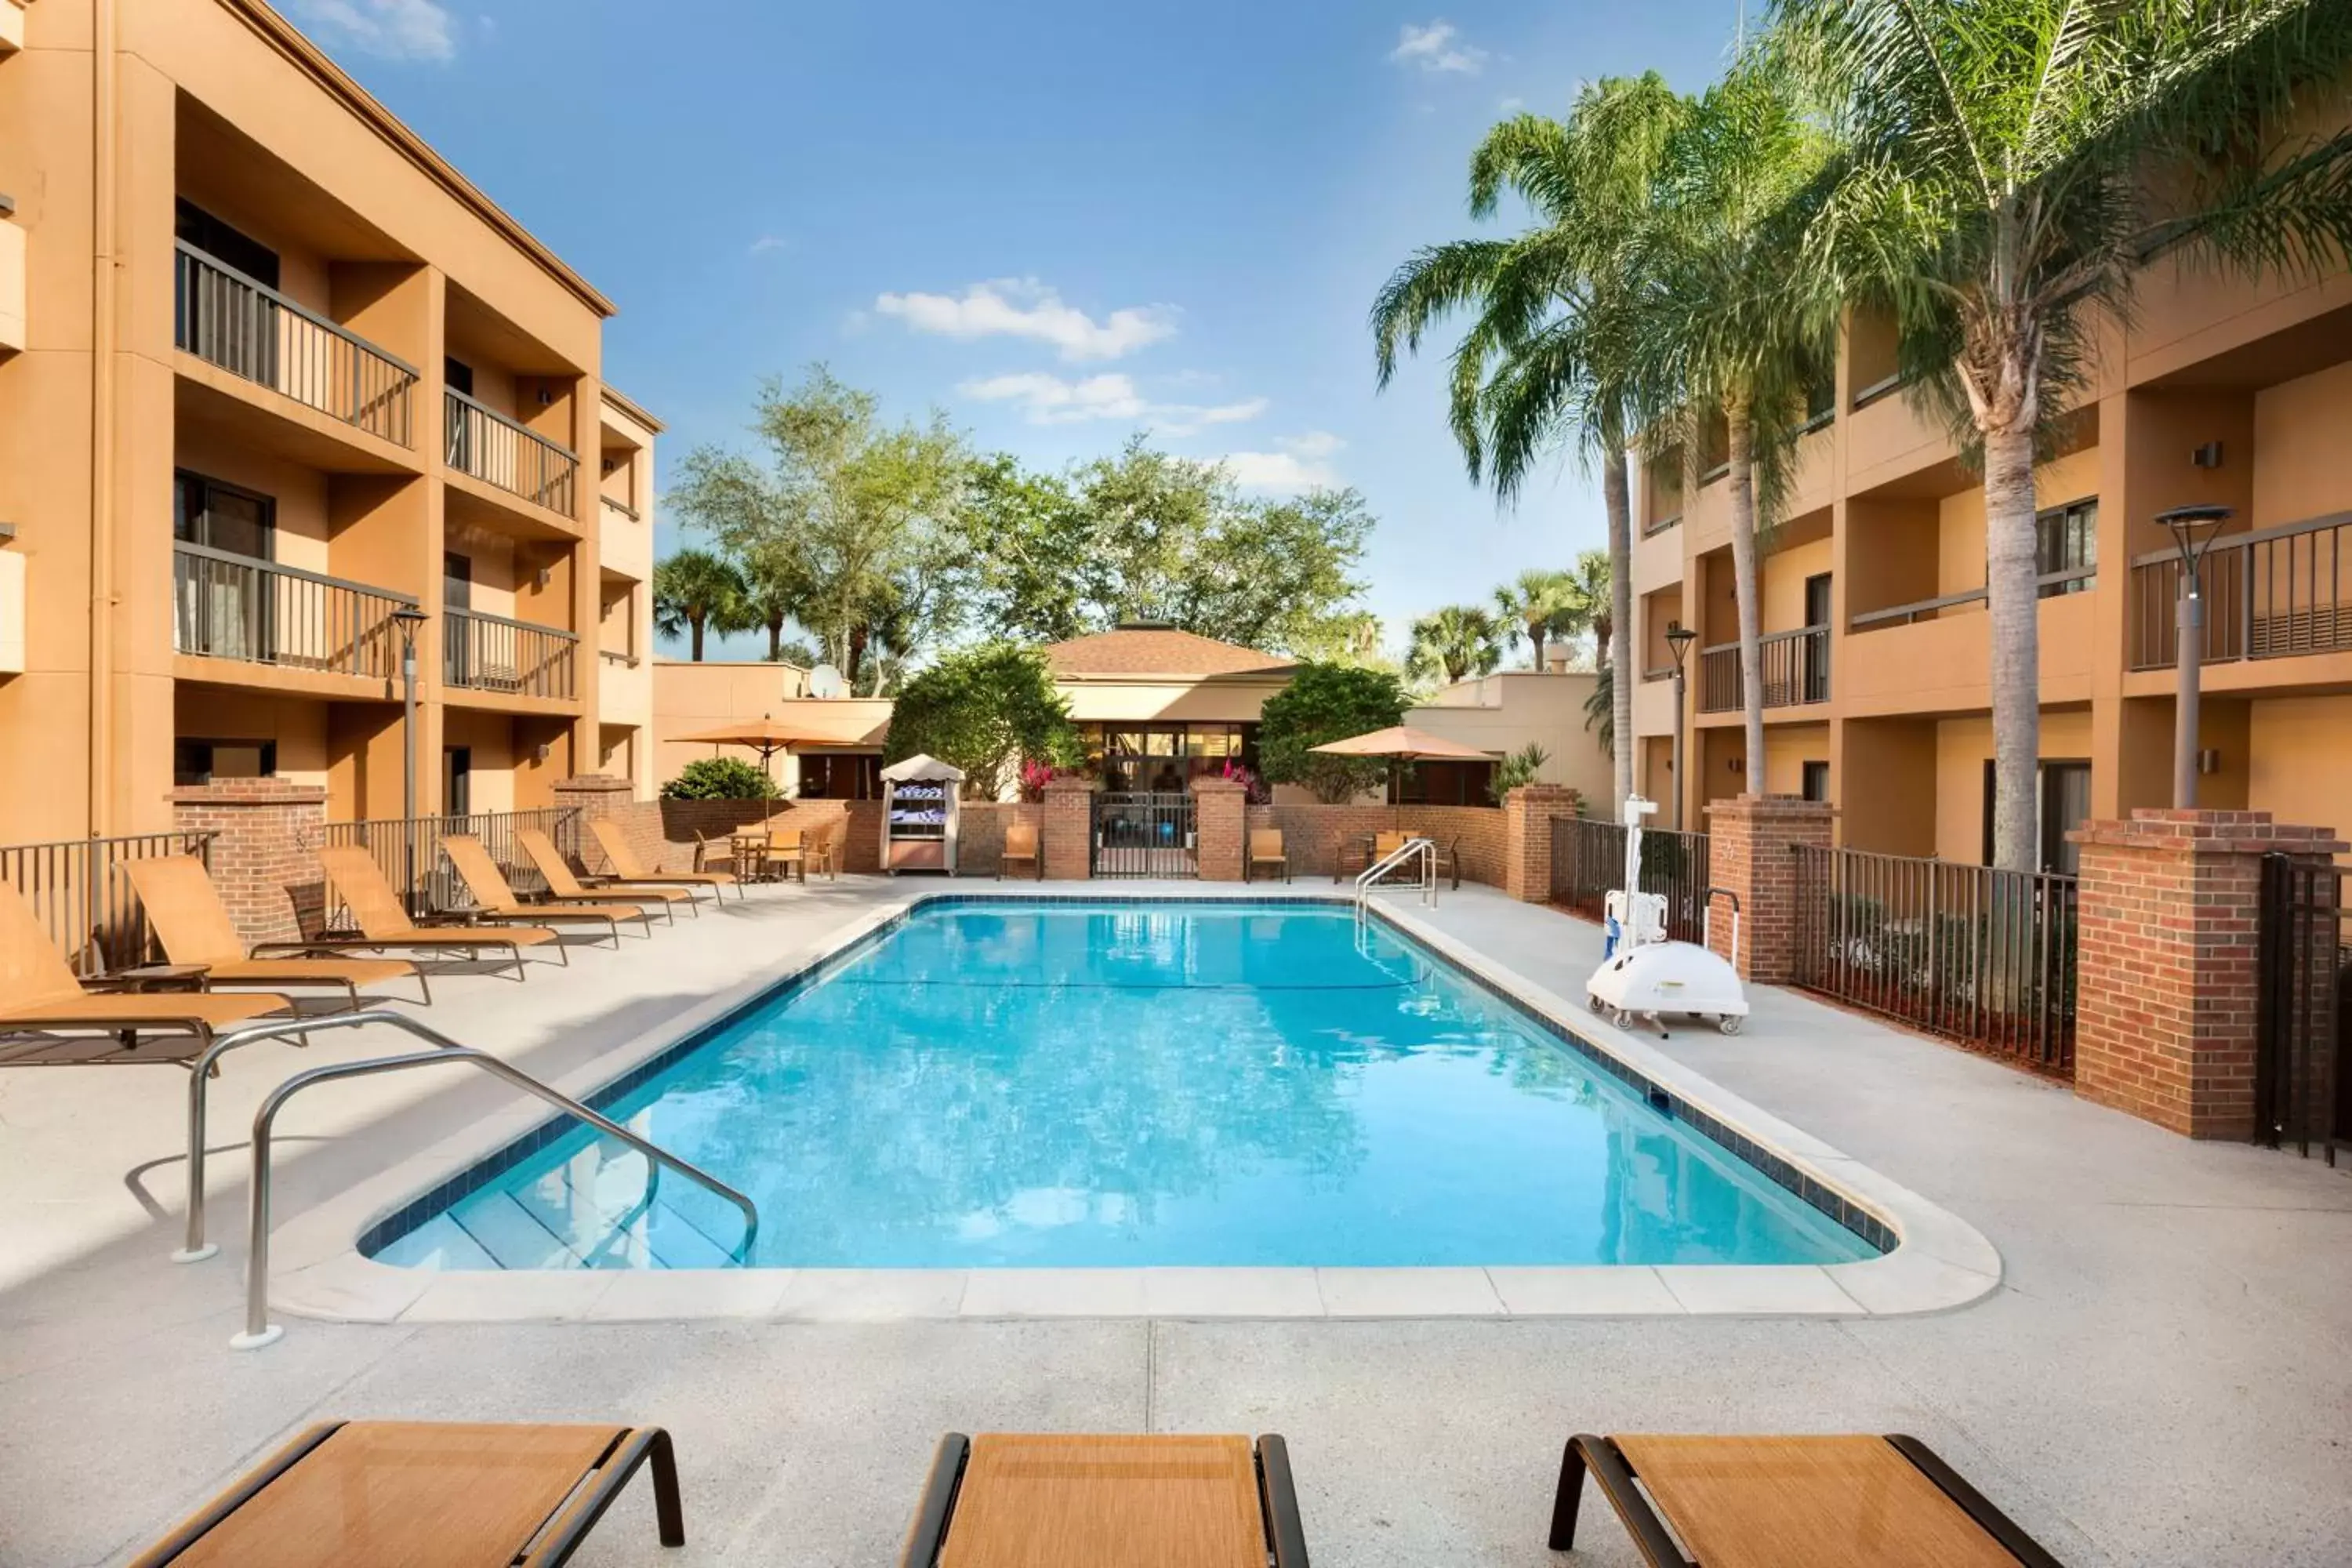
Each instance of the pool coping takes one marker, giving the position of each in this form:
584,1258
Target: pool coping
1940,1262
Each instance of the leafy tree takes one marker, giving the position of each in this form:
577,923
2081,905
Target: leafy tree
2004,170
1456,642
987,711
720,778
694,592
1326,702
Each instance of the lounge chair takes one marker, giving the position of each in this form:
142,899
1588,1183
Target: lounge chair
358,1492
1265,849
492,894
1109,1503
75,1027
560,880
628,870
195,927
1826,1502
385,925
1021,848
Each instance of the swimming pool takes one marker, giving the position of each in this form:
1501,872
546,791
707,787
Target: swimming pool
995,1083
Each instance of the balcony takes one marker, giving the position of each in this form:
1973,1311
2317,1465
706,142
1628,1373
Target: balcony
251,330
2276,593
236,608
509,658
1796,672
498,451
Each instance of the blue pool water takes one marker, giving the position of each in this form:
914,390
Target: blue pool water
1133,1085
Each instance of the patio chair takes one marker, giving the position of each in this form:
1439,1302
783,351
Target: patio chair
76,1028
195,928
383,924
493,895
824,850
1021,848
785,851
1265,849
1827,1502
628,869
355,1492
560,880
1109,1503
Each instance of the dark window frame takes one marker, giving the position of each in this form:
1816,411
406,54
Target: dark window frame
184,749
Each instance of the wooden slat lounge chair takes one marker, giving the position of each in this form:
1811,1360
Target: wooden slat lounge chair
40,997
493,895
1766,1502
557,872
1010,1500
195,927
628,870
384,924
1021,849
1265,849
349,1494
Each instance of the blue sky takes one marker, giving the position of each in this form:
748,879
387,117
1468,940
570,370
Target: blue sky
1056,221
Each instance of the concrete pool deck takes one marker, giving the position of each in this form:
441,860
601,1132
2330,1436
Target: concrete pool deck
2163,1375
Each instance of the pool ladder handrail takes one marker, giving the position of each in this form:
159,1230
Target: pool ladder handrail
1426,848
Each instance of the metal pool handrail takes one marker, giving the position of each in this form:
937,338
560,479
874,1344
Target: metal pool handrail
1425,847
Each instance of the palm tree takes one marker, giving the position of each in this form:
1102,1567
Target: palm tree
773,597
2005,168
1601,708
1549,354
1538,604
695,591
1458,641
1592,603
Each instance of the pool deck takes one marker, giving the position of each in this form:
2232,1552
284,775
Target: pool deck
2163,1374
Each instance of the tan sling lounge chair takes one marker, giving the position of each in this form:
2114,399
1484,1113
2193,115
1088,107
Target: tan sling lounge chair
193,925
1265,849
560,880
1021,849
76,1028
448,1495
1010,1500
383,924
1764,1502
628,870
493,895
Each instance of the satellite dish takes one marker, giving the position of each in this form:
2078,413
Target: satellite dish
825,681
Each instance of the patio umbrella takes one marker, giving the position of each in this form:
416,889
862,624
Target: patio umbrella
1403,743
764,735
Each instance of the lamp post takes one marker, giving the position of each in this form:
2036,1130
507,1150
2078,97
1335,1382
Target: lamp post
408,618
1678,638
2193,528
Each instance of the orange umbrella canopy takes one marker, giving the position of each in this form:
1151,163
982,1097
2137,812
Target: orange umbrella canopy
764,735
1403,744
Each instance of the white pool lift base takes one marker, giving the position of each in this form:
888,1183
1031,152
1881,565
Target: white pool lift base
1645,975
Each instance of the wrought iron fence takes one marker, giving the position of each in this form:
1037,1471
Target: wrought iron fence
1587,861
233,606
251,330
2302,1008
82,896
2269,594
1796,671
491,653
1979,955
499,451
1145,834
408,850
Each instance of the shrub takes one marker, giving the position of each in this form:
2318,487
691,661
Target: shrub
720,778
1326,703
988,711
1519,768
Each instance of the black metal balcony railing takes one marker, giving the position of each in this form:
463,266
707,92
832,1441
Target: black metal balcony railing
2049,585
2274,593
251,330
259,612
1796,671
499,451
491,653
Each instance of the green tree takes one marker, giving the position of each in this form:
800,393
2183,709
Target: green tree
1592,603
694,592
1455,642
776,596
1600,708
720,778
987,711
1524,766
2005,168
1537,604
1326,702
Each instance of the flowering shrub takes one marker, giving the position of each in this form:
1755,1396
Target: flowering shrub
1256,790
1035,777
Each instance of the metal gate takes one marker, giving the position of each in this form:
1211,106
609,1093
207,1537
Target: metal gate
1145,835
2303,1010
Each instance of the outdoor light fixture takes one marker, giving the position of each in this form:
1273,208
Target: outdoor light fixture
1679,640
2193,528
408,617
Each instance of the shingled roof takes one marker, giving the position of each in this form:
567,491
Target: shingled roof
1156,650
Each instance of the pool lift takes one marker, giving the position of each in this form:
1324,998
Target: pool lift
1644,974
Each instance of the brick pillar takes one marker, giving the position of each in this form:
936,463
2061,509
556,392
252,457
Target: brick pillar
1528,813
1220,824
601,795
1749,842
1067,841
2165,963
264,854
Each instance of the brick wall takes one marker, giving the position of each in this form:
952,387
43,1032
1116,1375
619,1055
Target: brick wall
1528,814
263,852
1750,837
665,832
980,846
1066,839
1312,833
1220,824
2166,963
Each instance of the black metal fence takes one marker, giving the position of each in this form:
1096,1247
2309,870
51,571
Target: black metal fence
408,850
1588,860
1979,955
82,896
2302,1009
1145,835
258,612
492,652
1796,671
252,331
494,449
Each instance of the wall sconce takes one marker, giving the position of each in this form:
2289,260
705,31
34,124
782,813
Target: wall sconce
546,396
1738,766
2209,761
545,751
2208,456
540,578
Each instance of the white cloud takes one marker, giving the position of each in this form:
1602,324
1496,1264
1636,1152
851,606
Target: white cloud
1511,105
1046,399
395,29
1025,308
770,242
1297,463
1437,47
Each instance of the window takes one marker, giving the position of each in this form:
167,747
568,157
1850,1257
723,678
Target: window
223,608
1817,781
200,762
223,517
225,244
2066,538
458,781
1443,783
841,776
